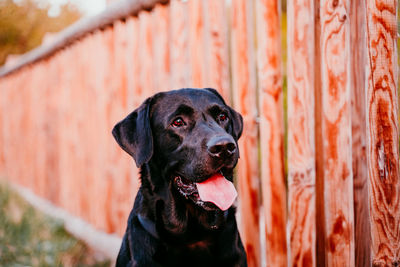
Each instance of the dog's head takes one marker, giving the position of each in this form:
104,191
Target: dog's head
191,136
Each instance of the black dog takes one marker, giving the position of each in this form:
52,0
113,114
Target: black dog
185,143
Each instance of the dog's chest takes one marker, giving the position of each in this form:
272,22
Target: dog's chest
200,253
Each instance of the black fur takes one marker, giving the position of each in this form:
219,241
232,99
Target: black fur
168,227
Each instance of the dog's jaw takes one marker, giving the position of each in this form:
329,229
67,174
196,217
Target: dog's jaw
189,191
209,198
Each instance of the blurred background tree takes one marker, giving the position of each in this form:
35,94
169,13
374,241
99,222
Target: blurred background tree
24,23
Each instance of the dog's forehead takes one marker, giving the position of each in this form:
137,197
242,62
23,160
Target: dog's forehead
199,100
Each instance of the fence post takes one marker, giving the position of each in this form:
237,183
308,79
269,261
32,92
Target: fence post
336,133
244,99
383,132
301,134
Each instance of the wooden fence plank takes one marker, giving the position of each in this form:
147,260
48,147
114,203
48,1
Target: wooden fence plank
383,132
38,74
52,140
146,53
179,50
301,134
216,42
161,43
88,130
137,95
244,99
100,134
271,130
65,81
358,95
196,43
336,133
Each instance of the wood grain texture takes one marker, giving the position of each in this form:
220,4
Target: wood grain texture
336,133
244,100
359,143
270,81
383,132
301,133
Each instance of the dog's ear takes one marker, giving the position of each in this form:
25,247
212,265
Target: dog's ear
237,120
134,134
237,123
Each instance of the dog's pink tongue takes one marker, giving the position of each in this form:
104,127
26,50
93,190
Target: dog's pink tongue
217,190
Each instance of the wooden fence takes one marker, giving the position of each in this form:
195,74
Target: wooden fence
338,205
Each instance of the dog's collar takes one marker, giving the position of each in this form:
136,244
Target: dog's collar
148,225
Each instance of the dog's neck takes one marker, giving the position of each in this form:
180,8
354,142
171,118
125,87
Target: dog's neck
148,225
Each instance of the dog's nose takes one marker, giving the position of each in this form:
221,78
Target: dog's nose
221,146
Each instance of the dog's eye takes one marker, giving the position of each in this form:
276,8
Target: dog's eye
222,117
179,122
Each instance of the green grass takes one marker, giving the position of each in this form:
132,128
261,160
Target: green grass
30,238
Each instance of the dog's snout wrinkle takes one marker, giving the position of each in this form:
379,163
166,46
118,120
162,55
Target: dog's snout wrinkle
220,146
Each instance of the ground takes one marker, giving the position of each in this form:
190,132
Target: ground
30,238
